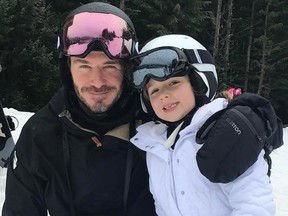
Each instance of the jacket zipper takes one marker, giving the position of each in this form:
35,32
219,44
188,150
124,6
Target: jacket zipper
67,114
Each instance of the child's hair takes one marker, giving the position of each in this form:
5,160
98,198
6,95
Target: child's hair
229,94
223,94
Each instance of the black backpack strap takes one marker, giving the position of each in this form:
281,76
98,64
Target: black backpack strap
203,132
263,108
67,158
269,162
129,163
274,141
128,172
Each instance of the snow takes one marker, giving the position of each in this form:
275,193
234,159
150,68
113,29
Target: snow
279,174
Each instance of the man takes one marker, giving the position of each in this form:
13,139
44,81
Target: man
73,157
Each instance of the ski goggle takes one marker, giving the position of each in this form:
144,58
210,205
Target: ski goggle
80,32
160,64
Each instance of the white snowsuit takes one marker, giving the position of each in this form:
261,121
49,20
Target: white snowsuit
178,187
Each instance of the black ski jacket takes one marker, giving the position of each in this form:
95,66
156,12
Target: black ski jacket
61,168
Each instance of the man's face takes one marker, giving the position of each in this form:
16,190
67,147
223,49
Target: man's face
97,80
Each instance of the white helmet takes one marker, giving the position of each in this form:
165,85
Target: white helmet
196,54
200,58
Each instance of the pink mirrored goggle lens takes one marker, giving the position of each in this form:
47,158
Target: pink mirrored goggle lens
82,30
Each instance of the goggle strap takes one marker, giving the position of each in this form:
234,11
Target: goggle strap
199,56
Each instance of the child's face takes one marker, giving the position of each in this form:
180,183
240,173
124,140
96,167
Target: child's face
171,99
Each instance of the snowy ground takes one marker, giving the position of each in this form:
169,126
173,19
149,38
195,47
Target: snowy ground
279,175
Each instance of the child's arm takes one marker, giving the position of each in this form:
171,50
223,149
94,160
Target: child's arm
251,193
158,207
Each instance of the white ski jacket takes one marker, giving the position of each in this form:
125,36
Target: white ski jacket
178,187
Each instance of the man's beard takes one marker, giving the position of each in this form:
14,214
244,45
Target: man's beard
99,106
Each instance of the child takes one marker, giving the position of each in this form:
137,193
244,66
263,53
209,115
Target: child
177,81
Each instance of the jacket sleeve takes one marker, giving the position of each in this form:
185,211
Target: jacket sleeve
251,193
23,195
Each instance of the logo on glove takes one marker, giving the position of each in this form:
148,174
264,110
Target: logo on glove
234,126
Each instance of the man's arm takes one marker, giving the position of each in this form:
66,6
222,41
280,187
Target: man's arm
23,195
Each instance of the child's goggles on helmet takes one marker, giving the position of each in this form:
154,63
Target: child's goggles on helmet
159,63
81,31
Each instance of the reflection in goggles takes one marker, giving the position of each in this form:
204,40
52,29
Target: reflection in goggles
82,31
160,64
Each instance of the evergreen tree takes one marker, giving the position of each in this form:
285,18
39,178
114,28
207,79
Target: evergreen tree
154,18
28,55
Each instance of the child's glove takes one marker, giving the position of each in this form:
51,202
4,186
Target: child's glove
233,138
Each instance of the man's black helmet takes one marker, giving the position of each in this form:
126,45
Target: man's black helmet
95,26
